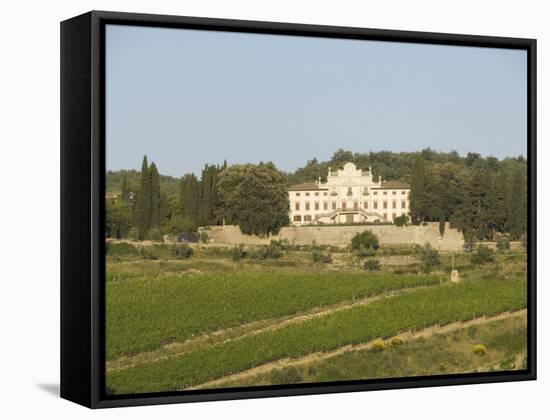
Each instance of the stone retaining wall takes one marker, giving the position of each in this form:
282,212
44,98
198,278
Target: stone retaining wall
452,239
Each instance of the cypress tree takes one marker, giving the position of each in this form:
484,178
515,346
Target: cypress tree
155,196
143,204
516,221
205,209
164,209
190,197
419,199
496,204
124,190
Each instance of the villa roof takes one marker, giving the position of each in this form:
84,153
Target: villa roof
307,186
393,185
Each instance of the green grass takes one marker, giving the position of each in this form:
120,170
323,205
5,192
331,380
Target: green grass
121,249
384,318
146,308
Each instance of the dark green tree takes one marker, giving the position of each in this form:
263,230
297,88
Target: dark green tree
125,190
190,197
516,198
209,200
254,197
118,218
446,182
420,196
143,201
155,197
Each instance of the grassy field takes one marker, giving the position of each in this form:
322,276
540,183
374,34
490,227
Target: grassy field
179,323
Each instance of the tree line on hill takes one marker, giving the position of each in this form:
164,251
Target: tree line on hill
481,196
251,196
482,199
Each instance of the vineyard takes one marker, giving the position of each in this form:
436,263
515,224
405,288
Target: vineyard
175,324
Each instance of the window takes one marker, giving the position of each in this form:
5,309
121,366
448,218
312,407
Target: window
307,205
394,215
394,192
375,192
325,193
375,204
366,204
385,216
343,204
355,205
334,205
297,194
385,193
403,192
316,206
307,218
325,206
385,204
298,218
349,191
403,204
316,194
297,206
394,204
307,194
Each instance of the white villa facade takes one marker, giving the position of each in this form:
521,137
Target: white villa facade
350,195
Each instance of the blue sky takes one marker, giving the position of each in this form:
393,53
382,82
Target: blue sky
186,97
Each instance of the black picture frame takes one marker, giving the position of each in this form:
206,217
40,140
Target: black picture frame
83,203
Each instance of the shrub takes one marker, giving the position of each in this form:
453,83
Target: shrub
321,257
400,221
287,375
429,257
238,253
155,235
133,234
480,349
179,224
365,239
365,252
204,237
503,243
181,251
372,265
379,345
266,252
121,248
396,341
482,255
147,253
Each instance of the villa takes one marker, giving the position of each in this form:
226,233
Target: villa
349,195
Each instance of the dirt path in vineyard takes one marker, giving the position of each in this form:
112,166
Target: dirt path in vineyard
313,357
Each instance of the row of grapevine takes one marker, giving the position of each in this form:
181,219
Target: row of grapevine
384,318
146,311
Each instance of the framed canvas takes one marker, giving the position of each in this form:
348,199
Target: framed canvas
257,209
